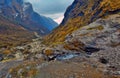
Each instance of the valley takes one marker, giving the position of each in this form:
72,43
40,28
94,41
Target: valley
85,45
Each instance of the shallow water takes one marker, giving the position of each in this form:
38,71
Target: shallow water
67,56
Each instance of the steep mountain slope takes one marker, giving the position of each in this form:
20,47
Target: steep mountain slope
24,14
81,13
91,27
12,34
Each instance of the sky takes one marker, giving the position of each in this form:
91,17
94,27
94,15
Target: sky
54,9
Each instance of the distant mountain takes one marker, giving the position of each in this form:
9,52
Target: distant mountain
23,13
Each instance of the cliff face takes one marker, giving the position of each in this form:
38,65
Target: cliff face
81,13
23,13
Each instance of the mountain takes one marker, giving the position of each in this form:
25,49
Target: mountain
85,45
23,13
81,13
90,27
91,10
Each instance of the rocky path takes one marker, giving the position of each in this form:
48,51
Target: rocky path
5,66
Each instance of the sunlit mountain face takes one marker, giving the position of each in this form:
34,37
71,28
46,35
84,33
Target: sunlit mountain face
54,9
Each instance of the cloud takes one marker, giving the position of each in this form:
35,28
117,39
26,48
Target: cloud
50,8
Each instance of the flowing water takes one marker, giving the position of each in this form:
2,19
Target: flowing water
67,56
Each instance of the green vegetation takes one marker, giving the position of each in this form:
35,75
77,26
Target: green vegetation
96,28
74,45
12,34
48,52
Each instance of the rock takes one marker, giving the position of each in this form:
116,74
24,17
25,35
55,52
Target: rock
10,56
46,58
1,57
20,48
39,56
103,60
42,57
91,50
19,55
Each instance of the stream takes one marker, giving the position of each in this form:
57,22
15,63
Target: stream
67,56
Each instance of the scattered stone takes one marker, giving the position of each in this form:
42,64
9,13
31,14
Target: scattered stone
19,55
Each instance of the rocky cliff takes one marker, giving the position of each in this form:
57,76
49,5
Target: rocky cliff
23,13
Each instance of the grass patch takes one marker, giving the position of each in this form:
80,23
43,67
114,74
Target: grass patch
96,28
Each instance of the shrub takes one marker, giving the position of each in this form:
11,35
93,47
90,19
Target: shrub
96,28
48,52
7,52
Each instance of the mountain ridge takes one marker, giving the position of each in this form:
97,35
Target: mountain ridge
24,13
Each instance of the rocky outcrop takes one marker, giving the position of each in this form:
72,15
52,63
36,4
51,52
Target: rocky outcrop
104,35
